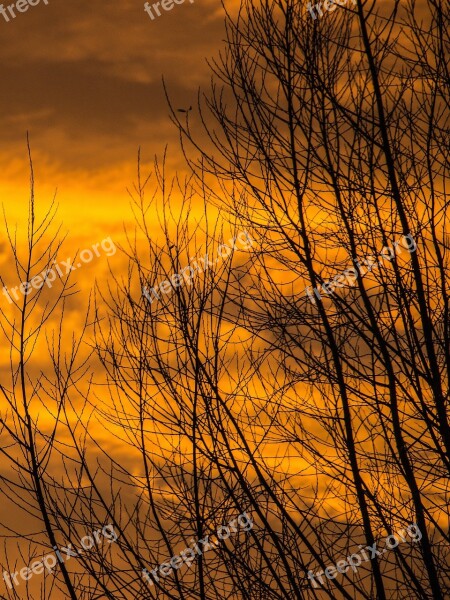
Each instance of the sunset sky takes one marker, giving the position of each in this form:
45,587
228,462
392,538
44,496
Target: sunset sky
189,374
84,78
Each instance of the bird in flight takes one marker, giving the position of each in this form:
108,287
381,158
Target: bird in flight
184,110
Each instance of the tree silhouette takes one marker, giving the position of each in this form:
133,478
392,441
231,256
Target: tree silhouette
331,148
324,417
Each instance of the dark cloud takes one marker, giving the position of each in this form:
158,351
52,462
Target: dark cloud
85,76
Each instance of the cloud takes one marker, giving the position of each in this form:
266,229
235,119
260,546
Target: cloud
85,77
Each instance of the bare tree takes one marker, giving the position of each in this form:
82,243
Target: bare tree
333,145
228,388
32,418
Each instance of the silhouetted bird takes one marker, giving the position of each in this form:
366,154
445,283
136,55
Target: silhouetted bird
184,110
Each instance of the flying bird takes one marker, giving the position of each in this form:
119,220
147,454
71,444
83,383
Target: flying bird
184,110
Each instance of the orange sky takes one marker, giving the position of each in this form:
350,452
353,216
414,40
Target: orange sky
84,77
